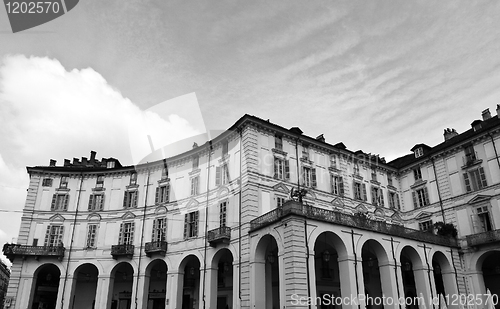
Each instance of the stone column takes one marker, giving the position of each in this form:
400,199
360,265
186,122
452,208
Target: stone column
138,291
348,286
104,292
175,285
390,278
312,276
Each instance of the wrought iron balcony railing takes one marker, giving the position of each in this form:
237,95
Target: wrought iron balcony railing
156,247
13,250
219,235
122,250
331,216
483,238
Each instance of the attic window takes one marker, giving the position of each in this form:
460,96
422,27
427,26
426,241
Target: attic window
419,152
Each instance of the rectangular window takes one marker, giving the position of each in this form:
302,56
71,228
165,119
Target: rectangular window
126,233
130,199
47,182
377,197
426,226
225,148
483,223
417,173
280,201
196,162
394,200
191,224
309,177
159,230
359,191
223,214
96,202
278,142
337,185
64,182
389,179
92,236
133,179
281,169
222,175
164,172
59,202
100,182
374,174
419,152
420,197
305,152
162,194
470,154
333,161
356,169
195,185
475,179
54,235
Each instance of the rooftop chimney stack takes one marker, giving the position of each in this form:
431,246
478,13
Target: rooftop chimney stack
76,161
449,133
84,161
66,162
52,162
486,114
498,110
92,156
321,138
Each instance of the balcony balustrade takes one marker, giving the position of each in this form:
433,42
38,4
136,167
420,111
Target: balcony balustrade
13,250
122,250
153,247
220,235
483,238
331,216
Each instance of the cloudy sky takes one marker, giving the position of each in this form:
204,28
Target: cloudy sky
380,76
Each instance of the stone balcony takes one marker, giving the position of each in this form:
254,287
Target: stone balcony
13,250
122,251
360,222
156,247
220,235
484,238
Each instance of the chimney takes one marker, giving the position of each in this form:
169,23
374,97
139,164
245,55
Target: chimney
66,162
498,110
92,156
486,114
321,138
449,133
76,161
52,162
84,161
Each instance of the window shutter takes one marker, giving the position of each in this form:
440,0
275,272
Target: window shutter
341,186
381,198
186,225
354,190
374,196
53,204
157,195
332,184
131,239
276,162
313,176
91,202
167,193
101,204
226,170
125,198
66,201
476,225
397,201
415,202
60,236
217,176
467,182
47,235
195,224
287,169
134,198
120,238
483,177
364,192
426,196
155,229
192,186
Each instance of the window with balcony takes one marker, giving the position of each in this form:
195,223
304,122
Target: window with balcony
426,226
280,201
47,182
359,191
162,194
475,179
417,173
223,213
91,236
54,235
133,179
130,199
59,202
196,162
195,185
159,232
309,177
64,182
394,200
281,169
222,175
377,197
99,182
96,202
191,224
481,220
420,197
337,185
126,233
278,142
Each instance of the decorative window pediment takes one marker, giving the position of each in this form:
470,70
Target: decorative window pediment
281,188
57,217
478,199
94,217
223,191
423,215
362,208
128,215
192,204
160,210
337,202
